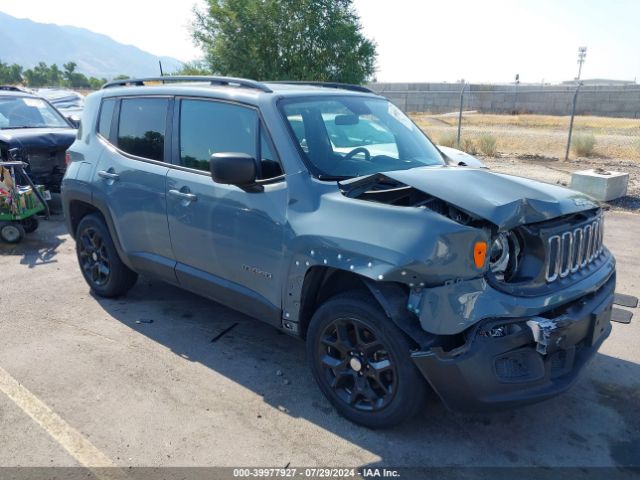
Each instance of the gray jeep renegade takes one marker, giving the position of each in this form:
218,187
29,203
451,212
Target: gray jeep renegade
323,210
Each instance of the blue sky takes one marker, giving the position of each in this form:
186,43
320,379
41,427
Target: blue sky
418,40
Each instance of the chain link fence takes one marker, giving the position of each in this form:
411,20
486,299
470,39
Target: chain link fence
526,121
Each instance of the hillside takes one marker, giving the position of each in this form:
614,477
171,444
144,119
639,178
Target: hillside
26,43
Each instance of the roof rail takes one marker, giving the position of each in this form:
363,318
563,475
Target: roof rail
212,80
343,86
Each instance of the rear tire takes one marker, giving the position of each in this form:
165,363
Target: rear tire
362,362
12,232
99,260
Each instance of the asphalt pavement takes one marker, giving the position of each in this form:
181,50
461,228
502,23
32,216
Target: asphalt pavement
138,381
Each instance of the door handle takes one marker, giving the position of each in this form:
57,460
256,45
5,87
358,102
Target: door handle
187,197
108,175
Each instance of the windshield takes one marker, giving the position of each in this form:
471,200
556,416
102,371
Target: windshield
26,112
351,136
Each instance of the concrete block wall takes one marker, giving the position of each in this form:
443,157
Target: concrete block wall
608,101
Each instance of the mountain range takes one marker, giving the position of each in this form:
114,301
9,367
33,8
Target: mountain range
26,43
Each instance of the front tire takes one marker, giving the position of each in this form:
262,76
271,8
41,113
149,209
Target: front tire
362,363
99,260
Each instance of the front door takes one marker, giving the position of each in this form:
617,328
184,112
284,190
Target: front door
228,242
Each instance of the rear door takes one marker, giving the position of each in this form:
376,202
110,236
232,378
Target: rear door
131,178
228,242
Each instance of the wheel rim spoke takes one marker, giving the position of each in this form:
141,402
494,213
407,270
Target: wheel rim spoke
94,257
342,330
331,362
356,365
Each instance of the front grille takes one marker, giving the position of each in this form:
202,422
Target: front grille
574,249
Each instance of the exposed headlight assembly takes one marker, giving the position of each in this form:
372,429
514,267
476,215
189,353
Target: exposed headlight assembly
503,255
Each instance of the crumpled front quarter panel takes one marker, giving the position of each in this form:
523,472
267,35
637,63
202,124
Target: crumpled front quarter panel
413,246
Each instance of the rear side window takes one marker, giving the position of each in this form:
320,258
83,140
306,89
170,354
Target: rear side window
142,126
106,114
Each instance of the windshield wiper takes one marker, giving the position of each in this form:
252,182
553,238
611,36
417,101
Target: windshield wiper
358,185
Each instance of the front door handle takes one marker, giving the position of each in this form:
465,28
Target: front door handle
184,196
108,175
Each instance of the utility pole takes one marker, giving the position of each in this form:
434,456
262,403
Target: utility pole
515,96
573,114
582,55
464,85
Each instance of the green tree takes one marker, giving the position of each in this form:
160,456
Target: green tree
10,74
96,83
74,79
38,76
319,40
196,67
55,76
69,71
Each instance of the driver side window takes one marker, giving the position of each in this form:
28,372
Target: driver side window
208,127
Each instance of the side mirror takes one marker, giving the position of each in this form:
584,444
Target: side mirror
233,168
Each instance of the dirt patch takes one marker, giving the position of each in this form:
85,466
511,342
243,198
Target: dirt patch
546,135
550,170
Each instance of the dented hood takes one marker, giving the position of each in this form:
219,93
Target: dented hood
504,200
38,137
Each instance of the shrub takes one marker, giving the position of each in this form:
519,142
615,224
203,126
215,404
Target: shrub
488,145
469,146
583,144
449,139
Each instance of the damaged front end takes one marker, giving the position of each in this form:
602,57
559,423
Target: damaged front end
43,150
514,361
520,328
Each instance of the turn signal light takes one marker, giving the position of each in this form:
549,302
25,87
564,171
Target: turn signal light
67,158
479,254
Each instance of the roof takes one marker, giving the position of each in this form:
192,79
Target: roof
228,87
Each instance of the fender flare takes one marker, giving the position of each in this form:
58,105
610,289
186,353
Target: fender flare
98,204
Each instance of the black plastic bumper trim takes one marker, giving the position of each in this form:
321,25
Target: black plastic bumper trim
467,378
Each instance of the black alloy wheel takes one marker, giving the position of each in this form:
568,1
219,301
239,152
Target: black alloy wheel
99,261
94,258
357,365
362,361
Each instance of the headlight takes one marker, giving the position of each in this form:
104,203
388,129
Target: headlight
503,256
499,254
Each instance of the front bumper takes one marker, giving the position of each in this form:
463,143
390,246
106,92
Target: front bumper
506,362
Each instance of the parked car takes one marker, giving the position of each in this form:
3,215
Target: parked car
398,270
453,156
67,102
42,135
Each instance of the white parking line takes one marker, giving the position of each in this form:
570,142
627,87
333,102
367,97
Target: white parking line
68,437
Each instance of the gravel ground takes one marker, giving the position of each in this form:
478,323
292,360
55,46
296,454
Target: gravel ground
552,170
